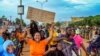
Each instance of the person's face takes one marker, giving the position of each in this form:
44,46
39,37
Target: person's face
10,49
68,31
63,31
73,33
37,37
59,46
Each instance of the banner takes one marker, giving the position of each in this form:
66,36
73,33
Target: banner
40,15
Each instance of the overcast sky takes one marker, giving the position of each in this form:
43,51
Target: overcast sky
64,9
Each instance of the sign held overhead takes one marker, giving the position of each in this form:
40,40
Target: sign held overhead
40,15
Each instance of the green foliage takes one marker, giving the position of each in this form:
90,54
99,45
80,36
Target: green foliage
18,21
58,24
4,17
90,21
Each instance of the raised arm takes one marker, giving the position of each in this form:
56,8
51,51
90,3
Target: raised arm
28,36
51,32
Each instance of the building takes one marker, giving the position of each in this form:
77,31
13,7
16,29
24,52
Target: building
76,19
2,22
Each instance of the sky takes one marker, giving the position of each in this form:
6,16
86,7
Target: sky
64,9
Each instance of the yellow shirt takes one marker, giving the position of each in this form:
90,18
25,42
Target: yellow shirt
55,34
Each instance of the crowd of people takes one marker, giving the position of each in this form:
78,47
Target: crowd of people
46,41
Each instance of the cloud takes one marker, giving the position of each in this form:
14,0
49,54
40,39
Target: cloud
77,1
64,9
83,1
8,3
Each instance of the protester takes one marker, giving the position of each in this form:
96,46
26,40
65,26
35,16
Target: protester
54,36
61,41
33,27
8,48
73,46
37,46
79,42
20,35
94,43
66,41
16,42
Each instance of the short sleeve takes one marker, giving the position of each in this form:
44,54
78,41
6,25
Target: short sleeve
29,41
44,42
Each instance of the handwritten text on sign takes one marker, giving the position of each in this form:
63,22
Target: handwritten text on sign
40,15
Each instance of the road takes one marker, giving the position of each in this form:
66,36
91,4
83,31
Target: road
26,49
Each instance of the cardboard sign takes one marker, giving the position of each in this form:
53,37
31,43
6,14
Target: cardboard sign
40,15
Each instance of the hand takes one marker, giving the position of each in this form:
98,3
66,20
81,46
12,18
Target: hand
27,29
52,48
52,26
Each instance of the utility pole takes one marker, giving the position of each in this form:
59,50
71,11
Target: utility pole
42,3
21,12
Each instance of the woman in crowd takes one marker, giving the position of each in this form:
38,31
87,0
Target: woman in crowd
16,42
8,48
33,28
37,46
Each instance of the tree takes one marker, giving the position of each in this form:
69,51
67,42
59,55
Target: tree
18,21
58,24
90,21
4,17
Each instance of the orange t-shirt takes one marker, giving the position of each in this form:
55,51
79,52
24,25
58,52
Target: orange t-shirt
37,49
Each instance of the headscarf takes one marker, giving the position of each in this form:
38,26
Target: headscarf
5,45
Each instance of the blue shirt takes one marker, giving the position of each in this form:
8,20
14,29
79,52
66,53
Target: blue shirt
1,40
1,43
